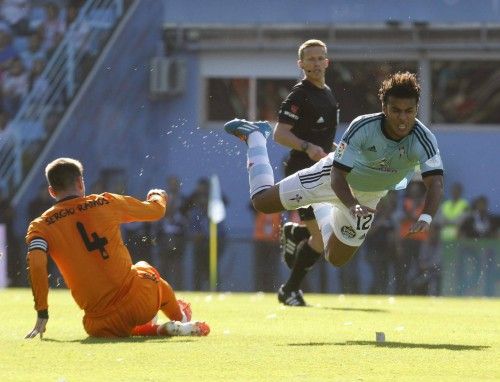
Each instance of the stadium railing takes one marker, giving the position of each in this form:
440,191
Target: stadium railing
56,86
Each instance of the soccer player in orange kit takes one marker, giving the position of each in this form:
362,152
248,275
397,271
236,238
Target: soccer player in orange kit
82,235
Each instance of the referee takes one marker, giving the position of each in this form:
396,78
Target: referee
307,122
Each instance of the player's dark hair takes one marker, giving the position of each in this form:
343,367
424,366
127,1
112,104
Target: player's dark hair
62,173
308,44
400,85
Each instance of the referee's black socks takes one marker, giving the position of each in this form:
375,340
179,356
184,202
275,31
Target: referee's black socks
306,258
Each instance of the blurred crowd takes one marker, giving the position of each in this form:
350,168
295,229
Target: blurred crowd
403,264
29,33
399,264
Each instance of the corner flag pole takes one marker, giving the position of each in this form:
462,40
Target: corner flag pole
213,256
216,214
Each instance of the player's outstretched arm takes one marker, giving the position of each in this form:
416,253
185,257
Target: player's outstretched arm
37,267
343,191
433,196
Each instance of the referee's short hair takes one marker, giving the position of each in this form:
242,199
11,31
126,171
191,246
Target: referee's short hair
308,44
400,85
62,173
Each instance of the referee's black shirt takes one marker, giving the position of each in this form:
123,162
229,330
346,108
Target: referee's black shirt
313,113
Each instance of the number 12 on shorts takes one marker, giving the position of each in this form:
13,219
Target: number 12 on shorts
364,222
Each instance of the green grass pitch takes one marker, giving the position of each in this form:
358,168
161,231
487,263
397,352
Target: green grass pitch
253,338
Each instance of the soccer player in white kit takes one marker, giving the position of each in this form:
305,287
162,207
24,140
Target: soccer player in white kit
377,153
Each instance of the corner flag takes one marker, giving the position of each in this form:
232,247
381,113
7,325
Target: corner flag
216,214
216,208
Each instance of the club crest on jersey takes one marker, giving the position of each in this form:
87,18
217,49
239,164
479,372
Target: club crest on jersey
297,198
339,152
294,109
348,232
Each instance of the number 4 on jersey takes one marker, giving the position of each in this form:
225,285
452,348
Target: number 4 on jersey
96,243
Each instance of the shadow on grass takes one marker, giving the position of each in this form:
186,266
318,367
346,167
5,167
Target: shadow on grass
397,345
367,310
93,340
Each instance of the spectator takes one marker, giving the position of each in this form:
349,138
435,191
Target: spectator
15,264
34,52
53,27
171,234
196,209
477,261
426,276
410,246
78,35
139,241
266,250
4,124
16,13
7,51
81,40
380,244
453,212
479,223
36,83
14,86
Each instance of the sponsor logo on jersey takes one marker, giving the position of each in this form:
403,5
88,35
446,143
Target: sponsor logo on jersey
383,165
291,115
320,120
373,148
348,232
340,150
435,161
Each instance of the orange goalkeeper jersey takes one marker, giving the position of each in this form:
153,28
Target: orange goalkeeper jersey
82,235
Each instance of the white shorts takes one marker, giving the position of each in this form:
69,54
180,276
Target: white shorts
312,185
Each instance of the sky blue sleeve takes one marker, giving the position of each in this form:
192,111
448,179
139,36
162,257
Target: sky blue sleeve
429,156
349,148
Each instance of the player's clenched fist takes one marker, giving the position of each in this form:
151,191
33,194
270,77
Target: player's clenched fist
419,226
360,210
157,191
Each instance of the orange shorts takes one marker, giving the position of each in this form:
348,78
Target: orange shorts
138,307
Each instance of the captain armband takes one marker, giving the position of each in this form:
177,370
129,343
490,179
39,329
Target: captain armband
38,243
